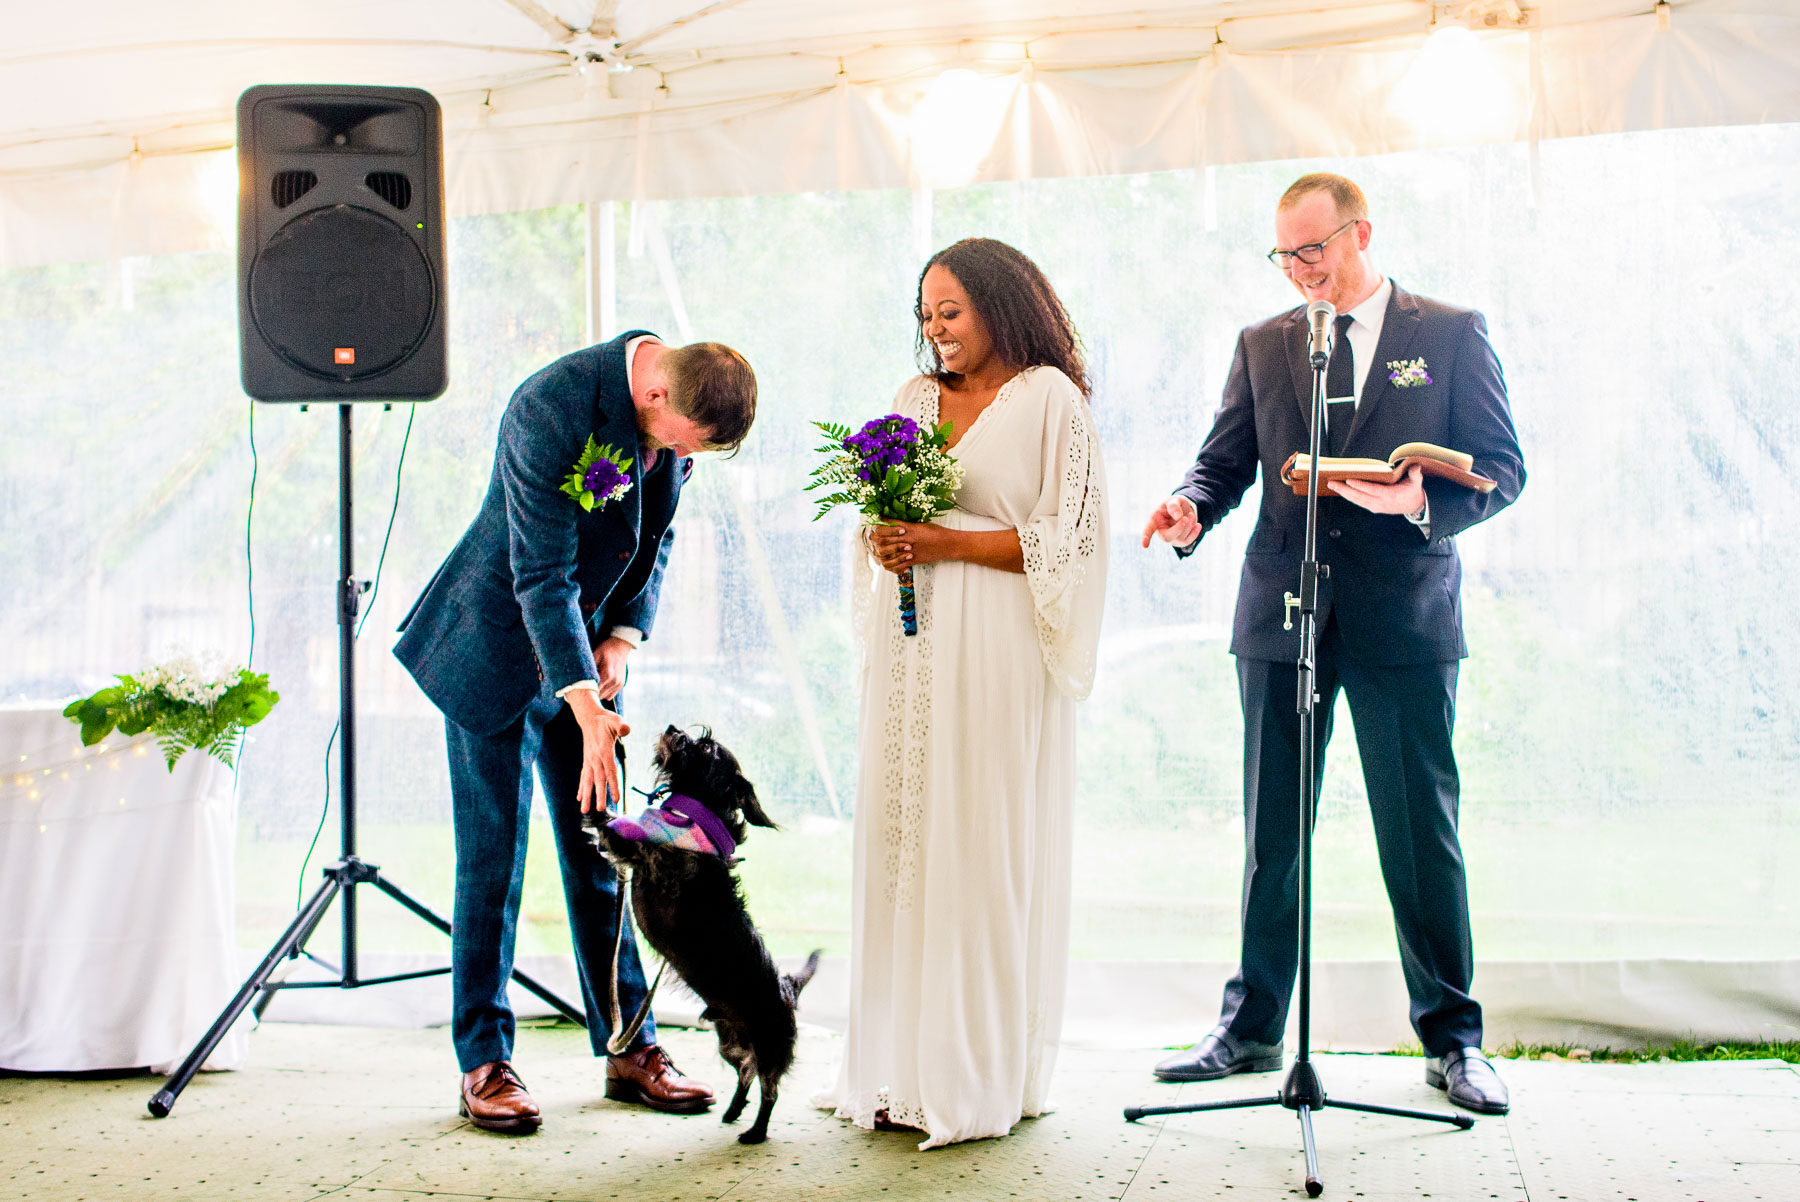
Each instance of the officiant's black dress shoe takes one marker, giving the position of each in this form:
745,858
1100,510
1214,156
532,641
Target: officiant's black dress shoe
1470,1080
1220,1054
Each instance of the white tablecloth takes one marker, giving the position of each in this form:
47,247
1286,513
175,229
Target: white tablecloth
117,888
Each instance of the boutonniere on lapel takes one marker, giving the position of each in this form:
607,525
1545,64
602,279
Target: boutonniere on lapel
600,475
1408,373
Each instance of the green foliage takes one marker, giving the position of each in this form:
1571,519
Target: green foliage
1686,1050
1681,1050
184,714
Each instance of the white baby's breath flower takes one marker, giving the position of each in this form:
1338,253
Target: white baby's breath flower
196,680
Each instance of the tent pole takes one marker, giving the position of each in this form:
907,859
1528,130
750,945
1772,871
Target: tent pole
602,271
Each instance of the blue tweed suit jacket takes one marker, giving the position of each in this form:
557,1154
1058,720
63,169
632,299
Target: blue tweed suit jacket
1397,596
536,580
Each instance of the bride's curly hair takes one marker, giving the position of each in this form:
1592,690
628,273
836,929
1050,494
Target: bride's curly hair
1020,309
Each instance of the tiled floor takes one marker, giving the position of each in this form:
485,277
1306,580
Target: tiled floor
356,1113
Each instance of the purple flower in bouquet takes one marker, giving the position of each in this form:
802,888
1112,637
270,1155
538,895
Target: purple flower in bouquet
881,444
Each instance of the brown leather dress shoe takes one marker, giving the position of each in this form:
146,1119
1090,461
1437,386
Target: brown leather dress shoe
649,1078
494,1099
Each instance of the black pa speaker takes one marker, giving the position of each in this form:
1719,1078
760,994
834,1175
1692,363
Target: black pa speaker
341,288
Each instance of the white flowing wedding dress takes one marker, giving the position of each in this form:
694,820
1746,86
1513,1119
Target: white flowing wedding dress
966,781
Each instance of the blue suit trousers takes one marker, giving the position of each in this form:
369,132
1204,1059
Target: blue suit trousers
490,786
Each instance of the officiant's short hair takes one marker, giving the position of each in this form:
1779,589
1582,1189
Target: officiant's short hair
711,384
1349,199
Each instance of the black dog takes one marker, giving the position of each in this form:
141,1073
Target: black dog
689,907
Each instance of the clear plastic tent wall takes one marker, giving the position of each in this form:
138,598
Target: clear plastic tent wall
1627,722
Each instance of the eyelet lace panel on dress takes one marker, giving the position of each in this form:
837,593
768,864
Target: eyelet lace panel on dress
1057,553
906,726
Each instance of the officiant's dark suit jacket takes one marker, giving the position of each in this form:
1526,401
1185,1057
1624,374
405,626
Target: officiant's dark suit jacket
510,619
1391,633
1395,594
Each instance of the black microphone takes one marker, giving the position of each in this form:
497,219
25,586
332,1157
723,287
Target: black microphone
1321,313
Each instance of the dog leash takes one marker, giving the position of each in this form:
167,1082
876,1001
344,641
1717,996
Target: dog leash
621,1039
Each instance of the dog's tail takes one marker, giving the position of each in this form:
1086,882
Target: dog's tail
793,983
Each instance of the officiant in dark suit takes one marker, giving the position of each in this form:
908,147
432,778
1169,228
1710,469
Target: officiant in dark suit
1403,368
521,636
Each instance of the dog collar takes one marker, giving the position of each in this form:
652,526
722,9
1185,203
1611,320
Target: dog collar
698,813
680,821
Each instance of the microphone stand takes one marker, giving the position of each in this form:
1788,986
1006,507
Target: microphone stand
1302,1092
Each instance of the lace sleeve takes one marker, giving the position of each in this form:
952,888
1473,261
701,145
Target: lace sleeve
1064,542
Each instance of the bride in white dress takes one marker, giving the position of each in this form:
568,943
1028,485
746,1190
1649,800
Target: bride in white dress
967,730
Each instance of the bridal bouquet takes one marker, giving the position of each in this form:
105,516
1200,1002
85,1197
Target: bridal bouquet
187,706
891,470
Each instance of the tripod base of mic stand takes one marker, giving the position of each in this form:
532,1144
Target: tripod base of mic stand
1304,1095
344,874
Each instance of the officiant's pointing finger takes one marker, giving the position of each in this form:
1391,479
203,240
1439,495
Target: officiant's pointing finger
1176,520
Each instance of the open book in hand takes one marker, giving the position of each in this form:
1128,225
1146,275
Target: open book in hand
1434,460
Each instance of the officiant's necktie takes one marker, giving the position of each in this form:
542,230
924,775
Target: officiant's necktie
1340,381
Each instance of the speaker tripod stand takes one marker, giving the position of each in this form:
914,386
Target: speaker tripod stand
1302,1092
342,877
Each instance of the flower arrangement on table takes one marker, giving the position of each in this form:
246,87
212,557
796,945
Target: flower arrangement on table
891,470
188,706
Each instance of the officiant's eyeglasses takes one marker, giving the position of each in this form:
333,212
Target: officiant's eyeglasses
1312,252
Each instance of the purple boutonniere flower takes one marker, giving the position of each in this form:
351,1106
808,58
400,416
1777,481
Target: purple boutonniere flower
1408,373
602,474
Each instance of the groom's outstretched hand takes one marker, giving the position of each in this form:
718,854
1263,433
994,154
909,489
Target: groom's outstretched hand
601,730
1175,520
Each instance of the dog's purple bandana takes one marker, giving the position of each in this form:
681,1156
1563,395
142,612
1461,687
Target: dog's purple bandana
680,821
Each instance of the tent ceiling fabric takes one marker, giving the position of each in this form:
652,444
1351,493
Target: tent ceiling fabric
113,144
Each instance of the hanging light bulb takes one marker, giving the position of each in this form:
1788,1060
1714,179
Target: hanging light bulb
954,125
1455,91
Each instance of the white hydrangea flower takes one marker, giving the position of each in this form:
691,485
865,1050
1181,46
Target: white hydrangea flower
197,680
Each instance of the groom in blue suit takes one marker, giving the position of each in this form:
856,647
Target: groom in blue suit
520,638
1403,368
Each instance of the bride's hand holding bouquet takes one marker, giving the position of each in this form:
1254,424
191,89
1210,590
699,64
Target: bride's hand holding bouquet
904,545
899,477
